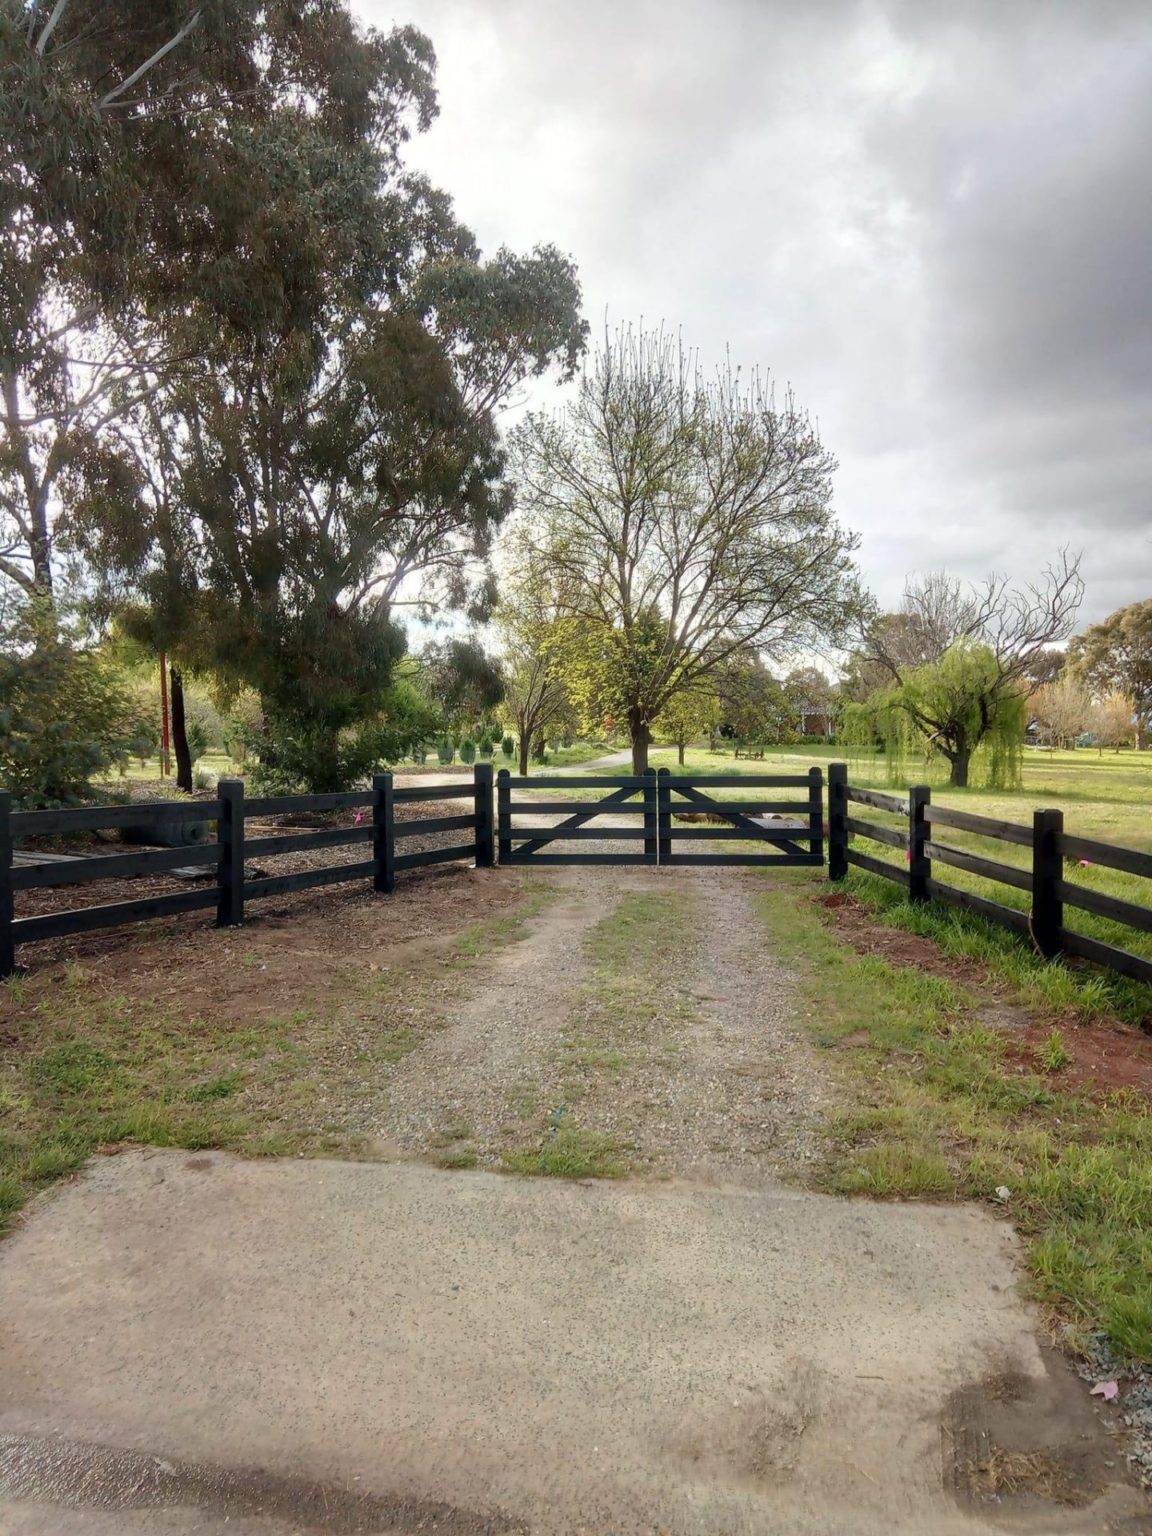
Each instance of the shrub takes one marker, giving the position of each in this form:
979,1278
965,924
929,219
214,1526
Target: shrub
197,739
467,750
445,751
243,726
485,746
65,717
508,747
295,756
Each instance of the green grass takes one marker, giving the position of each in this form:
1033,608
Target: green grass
932,1107
572,1152
1104,797
572,757
82,1069
1065,991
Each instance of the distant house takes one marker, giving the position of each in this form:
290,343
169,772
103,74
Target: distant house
815,721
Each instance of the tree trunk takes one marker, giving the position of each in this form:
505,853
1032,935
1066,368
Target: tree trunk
641,738
523,745
180,733
41,548
680,752
960,761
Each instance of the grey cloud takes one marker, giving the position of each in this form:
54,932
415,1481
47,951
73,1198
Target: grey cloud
934,220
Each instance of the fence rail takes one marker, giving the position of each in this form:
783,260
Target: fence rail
231,888
923,826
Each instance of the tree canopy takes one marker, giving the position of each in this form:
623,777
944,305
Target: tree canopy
274,415
1116,657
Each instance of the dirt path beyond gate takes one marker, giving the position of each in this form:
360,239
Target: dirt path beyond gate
198,1343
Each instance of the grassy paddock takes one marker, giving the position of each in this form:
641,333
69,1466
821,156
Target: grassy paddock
932,1108
1107,796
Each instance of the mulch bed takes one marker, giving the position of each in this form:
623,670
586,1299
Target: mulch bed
1106,1057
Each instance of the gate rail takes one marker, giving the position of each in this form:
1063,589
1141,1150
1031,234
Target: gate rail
521,845
801,820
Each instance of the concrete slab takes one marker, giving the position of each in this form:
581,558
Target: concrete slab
196,1343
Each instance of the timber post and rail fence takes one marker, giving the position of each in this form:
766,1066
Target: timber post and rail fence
779,820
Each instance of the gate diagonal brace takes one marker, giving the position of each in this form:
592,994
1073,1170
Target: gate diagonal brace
617,797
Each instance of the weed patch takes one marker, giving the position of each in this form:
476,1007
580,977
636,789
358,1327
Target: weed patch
571,1152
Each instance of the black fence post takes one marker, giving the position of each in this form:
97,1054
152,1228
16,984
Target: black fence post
837,821
383,834
651,818
7,942
664,816
919,833
230,867
485,829
816,812
1047,872
504,814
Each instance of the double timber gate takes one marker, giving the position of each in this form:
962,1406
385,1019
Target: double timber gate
656,815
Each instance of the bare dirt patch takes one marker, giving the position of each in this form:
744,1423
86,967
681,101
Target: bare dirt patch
1103,1058
857,927
1022,1442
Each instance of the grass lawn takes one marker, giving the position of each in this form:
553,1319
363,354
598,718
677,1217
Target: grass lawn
936,1105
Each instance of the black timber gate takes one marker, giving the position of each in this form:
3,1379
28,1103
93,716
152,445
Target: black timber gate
670,811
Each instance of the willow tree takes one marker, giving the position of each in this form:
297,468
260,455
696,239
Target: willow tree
957,658
950,708
691,518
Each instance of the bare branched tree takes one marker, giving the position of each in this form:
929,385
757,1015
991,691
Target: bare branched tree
1016,623
692,520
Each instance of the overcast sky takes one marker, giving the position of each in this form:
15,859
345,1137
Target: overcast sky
933,219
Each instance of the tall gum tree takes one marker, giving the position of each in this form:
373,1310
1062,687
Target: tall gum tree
1116,657
691,519
146,149
332,455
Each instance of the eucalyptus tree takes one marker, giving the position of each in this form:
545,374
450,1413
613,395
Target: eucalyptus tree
321,449
1115,657
148,156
